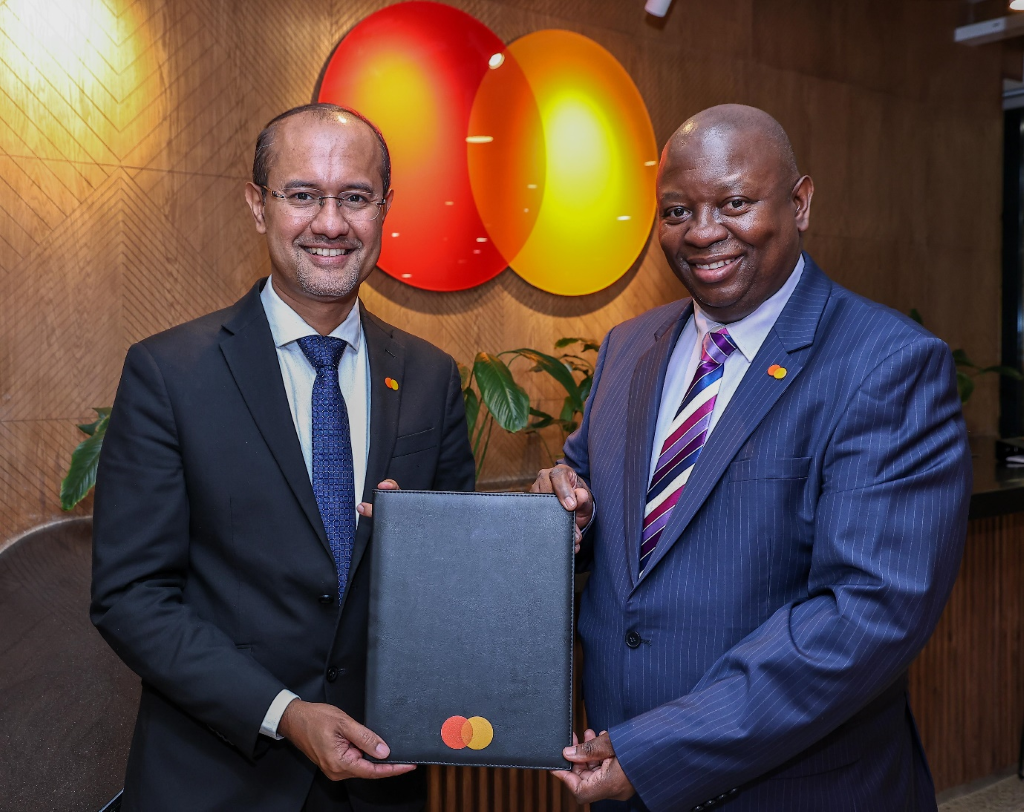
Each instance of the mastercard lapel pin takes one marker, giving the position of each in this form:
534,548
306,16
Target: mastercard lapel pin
391,383
777,372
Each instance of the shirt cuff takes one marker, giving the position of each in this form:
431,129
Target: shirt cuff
275,712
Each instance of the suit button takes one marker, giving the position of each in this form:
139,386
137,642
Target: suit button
326,599
332,674
734,790
698,808
710,803
723,796
632,639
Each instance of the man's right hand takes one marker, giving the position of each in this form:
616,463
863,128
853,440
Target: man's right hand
571,492
335,742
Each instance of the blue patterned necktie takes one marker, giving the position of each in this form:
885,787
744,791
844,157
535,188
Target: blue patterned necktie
333,477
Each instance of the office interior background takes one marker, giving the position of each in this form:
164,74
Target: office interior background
126,134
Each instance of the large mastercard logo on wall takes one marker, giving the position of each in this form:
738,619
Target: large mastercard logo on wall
539,155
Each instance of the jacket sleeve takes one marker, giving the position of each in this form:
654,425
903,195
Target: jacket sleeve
456,469
576,454
888,537
140,566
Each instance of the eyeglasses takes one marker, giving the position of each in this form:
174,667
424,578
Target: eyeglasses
356,205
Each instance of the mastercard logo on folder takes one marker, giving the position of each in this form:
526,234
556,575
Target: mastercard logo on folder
475,733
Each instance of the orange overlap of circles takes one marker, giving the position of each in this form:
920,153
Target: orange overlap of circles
539,155
475,733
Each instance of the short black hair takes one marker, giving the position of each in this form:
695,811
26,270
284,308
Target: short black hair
324,111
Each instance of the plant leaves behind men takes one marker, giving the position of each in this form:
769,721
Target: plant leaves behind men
965,381
1006,372
104,414
588,344
85,459
472,409
555,368
506,400
964,385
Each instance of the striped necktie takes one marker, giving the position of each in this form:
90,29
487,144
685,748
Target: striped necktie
686,438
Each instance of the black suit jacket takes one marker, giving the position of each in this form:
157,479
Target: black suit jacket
212,575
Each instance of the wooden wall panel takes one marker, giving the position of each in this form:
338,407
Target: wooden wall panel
967,686
126,131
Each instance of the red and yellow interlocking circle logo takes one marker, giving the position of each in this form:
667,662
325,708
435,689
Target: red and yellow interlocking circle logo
475,733
539,155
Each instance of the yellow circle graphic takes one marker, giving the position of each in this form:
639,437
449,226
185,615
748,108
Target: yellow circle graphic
599,166
480,733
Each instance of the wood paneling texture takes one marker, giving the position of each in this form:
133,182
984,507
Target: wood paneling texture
967,686
126,131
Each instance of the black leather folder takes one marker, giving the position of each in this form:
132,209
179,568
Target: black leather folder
471,628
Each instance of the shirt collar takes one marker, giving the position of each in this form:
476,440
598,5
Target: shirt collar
750,332
287,326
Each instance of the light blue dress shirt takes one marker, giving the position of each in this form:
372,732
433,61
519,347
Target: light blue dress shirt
298,374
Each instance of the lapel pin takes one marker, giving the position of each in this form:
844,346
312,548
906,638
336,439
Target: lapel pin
777,372
391,383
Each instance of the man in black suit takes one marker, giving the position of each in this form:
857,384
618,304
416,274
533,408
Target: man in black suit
230,557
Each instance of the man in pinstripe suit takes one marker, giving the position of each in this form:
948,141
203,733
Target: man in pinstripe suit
778,479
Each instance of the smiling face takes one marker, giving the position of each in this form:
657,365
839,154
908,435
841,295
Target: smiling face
320,257
731,216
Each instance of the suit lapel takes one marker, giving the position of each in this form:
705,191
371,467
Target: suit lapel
387,360
787,344
641,422
252,359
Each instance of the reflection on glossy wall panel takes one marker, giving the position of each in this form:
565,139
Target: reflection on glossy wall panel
539,156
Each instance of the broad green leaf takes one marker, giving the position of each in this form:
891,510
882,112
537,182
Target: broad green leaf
104,415
1007,372
464,375
588,344
84,461
964,385
543,419
555,368
506,400
961,360
472,403
585,386
568,410
916,316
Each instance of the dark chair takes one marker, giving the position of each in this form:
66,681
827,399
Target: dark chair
67,704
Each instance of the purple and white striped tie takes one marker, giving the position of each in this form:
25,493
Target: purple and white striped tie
686,438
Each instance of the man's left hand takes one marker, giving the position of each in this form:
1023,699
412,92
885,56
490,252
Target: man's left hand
595,774
365,508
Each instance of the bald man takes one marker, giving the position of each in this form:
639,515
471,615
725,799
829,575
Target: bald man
230,540
776,479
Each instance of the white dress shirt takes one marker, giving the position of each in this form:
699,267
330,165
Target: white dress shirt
748,334
298,374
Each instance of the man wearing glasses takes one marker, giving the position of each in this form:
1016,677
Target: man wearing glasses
230,542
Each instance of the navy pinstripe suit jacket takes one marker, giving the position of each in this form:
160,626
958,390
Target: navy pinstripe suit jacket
803,568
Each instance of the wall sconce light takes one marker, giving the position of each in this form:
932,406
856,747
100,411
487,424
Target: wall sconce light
659,8
1017,5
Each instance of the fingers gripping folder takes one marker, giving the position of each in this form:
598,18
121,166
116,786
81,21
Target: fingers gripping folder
471,628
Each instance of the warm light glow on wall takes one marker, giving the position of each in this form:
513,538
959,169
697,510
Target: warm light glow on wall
600,154
539,156
80,73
